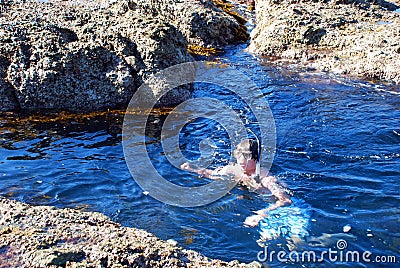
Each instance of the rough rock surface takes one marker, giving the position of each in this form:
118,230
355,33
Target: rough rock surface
354,37
42,236
206,27
94,54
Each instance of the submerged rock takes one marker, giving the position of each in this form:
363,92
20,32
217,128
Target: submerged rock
41,236
93,55
352,37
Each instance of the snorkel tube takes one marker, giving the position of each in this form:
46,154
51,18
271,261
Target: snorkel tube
258,163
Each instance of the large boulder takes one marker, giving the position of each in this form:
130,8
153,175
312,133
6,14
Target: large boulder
92,55
346,37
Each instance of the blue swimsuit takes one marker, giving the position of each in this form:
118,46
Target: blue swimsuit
287,221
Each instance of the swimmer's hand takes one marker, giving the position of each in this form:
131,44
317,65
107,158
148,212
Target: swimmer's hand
253,220
186,166
202,172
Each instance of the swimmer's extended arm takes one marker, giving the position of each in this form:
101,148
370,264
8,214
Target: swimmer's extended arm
283,199
270,183
208,173
217,174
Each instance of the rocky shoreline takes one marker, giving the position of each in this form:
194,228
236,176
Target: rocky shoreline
44,236
354,37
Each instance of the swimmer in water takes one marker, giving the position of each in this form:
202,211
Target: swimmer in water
245,171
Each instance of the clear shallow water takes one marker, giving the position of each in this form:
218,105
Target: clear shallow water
338,149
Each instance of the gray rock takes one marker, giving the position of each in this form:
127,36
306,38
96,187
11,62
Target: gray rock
200,22
47,257
8,100
93,55
357,37
41,236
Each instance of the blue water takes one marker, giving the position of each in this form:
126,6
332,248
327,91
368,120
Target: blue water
338,150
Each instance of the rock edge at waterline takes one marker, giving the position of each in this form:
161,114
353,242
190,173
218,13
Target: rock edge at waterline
44,236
